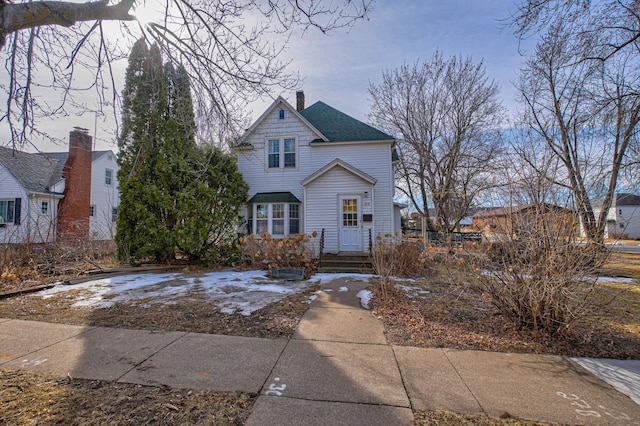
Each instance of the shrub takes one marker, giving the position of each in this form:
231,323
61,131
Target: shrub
266,252
539,278
32,261
393,257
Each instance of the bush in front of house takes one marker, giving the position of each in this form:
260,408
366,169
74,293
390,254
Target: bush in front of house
266,252
393,257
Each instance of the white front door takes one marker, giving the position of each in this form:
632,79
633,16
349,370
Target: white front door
350,227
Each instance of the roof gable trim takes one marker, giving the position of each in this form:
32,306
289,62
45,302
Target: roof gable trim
338,163
280,100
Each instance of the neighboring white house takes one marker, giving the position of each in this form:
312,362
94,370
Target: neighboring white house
623,219
32,185
317,169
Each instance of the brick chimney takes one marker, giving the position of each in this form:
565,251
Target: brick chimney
73,209
299,100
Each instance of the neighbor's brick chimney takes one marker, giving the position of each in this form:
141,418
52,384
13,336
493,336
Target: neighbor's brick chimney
73,209
299,100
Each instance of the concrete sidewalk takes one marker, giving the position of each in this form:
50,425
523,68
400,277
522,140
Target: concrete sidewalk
337,369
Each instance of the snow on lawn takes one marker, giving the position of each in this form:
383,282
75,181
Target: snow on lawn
365,298
231,291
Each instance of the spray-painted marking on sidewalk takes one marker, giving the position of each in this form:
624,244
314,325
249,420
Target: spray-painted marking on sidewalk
276,389
32,362
585,409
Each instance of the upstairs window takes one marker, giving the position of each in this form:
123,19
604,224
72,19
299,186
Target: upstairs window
92,210
108,177
44,207
274,153
282,153
289,153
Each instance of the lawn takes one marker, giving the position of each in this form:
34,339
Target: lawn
439,310
443,310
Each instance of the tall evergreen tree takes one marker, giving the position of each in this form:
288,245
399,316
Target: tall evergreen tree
176,198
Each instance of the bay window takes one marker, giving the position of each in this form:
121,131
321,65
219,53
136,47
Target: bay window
278,219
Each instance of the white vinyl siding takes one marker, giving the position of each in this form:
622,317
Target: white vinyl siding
322,209
104,197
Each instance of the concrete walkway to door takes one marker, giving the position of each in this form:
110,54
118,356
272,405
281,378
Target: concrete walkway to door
337,369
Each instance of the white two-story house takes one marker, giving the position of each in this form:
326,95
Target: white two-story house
318,169
44,196
623,217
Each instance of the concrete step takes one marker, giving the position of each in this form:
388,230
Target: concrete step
345,269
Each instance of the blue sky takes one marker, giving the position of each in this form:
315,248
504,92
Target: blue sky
338,68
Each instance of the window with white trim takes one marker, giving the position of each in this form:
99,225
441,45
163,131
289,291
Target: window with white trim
6,211
281,153
108,177
44,207
278,219
92,210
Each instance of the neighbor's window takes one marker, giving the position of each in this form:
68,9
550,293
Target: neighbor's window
281,153
44,207
92,210
6,211
114,214
108,177
278,219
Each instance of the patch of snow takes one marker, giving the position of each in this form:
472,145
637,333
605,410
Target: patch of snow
328,290
312,298
326,277
343,289
365,298
243,292
617,280
411,291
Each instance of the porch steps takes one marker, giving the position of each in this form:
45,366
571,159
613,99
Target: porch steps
346,262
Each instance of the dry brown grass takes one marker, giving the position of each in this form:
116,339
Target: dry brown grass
192,313
448,418
444,311
29,398
622,265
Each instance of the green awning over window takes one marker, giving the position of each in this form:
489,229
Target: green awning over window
273,197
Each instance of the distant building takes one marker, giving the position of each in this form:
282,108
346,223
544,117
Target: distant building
48,197
623,218
516,219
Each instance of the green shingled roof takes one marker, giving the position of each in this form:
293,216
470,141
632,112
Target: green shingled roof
274,197
338,126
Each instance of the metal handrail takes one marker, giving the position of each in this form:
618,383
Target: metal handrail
321,247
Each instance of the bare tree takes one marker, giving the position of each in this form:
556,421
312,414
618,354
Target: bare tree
599,29
444,113
587,113
227,47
